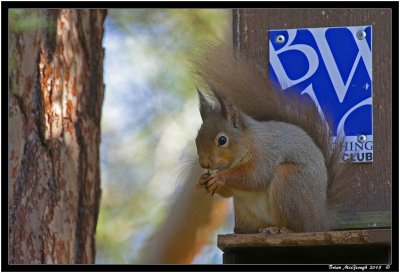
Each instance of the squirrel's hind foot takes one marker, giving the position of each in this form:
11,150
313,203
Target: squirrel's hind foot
274,230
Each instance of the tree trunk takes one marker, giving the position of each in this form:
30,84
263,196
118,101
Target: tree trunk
55,97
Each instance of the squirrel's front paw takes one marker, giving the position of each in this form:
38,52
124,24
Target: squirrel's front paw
215,184
211,183
202,184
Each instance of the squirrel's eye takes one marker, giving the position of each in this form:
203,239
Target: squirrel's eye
222,140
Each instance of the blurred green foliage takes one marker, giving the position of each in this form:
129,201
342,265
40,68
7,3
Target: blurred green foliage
27,20
149,117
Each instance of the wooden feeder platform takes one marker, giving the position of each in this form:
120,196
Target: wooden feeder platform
363,246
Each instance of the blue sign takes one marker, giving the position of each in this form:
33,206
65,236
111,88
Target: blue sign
333,66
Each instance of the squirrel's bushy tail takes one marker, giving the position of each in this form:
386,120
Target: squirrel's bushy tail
247,86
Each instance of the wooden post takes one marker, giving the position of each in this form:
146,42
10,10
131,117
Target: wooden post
373,180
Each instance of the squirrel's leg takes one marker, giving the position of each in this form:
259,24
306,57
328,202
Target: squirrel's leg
299,197
282,175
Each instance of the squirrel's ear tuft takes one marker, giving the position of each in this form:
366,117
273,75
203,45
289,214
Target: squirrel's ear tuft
230,112
205,106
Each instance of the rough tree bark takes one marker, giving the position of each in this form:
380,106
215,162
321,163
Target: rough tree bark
55,98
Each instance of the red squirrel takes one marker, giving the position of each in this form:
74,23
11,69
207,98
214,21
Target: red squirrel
272,152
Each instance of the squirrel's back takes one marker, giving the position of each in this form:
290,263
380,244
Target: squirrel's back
246,85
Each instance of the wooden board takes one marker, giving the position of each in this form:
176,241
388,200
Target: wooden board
230,242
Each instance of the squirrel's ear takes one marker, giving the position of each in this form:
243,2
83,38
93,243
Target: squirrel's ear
229,111
205,106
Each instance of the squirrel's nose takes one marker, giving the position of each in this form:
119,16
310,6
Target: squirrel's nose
204,164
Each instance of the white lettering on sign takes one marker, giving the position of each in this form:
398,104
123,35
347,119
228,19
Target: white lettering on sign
333,66
308,51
